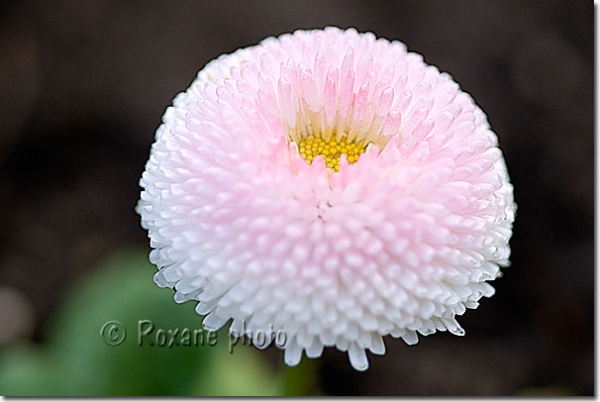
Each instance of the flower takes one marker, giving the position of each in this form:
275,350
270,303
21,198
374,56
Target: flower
330,185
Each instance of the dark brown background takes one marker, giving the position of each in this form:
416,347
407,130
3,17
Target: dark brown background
83,86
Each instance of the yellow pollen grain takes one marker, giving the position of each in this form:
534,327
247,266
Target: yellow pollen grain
332,150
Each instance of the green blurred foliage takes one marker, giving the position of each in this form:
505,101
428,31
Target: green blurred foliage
547,391
76,360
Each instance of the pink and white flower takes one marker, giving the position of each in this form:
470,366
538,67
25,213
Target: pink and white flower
330,185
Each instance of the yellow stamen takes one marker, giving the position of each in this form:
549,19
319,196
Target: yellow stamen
331,150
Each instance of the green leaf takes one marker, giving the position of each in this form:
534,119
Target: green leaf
165,350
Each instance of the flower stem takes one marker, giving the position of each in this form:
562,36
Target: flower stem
302,379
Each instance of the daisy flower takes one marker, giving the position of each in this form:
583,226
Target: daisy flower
331,185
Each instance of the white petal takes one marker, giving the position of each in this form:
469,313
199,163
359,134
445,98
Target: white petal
358,357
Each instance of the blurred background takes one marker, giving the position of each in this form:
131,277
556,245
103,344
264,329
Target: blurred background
83,86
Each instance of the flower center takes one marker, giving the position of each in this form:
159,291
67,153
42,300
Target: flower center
331,150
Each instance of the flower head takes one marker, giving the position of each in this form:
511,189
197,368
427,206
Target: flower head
330,185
